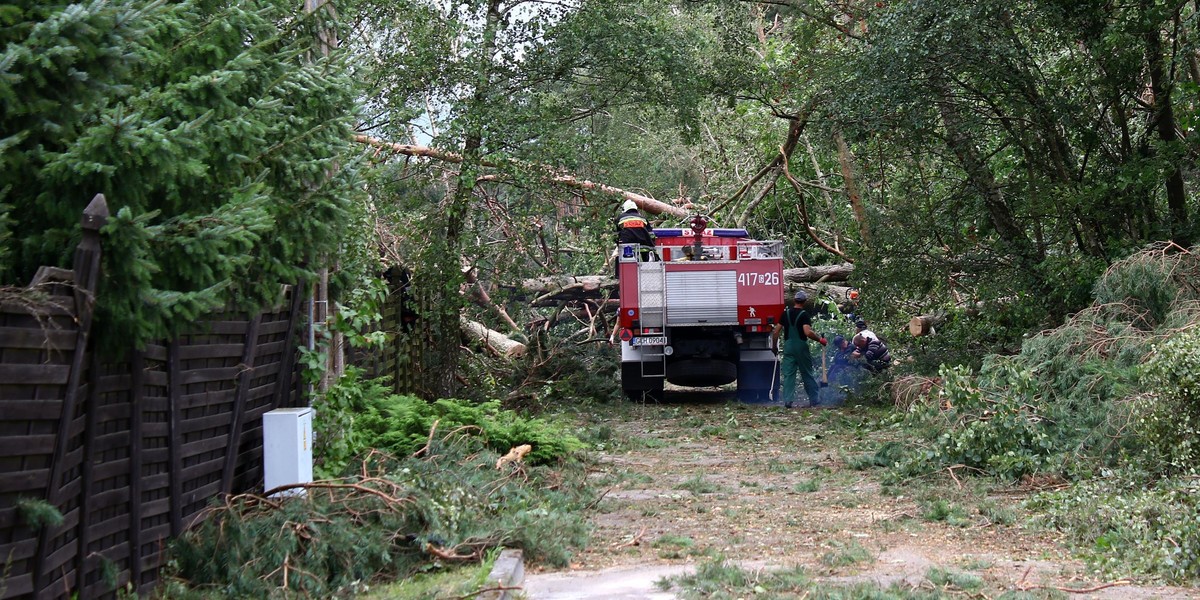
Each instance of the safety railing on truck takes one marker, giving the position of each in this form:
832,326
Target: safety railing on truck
744,250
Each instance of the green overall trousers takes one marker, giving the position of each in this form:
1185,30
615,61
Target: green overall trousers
796,358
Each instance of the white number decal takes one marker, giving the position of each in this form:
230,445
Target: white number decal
753,279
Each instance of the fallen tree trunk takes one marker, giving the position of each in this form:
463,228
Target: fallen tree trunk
839,272
551,291
497,342
547,174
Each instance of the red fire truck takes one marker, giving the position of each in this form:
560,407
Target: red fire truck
699,310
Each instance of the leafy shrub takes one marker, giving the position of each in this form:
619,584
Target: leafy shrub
990,423
1168,415
404,424
358,415
1121,525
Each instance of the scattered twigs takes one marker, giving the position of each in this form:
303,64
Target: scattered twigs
1096,588
330,485
498,588
425,448
635,540
452,554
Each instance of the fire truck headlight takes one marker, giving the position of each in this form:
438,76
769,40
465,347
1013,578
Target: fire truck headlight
667,350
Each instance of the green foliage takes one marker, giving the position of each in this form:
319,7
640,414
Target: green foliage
217,135
992,424
1061,404
1168,415
365,416
37,514
385,524
1109,398
698,485
1121,524
944,511
947,578
846,554
719,579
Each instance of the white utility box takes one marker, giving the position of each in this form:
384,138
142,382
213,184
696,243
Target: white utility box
287,448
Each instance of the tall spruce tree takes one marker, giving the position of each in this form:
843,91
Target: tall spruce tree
216,131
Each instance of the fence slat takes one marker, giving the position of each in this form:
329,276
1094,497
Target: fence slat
36,374
56,340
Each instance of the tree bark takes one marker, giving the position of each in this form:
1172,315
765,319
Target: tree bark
980,176
442,257
846,161
496,342
1164,123
922,325
838,272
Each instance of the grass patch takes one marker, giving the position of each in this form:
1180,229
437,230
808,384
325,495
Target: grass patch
674,546
846,554
720,579
454,582
947,578
699,485
997,514
807,486
944,511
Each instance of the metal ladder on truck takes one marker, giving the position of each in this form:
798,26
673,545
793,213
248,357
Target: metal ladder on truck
652,312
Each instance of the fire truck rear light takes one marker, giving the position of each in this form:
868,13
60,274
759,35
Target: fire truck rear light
627,252
730,233
668,233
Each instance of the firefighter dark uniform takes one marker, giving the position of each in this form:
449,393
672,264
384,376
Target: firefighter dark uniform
633,228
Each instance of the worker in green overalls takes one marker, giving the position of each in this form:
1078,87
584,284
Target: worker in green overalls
796,328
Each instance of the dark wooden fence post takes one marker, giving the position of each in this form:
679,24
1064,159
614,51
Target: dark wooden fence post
175,437
286,394
244,379
87,275
137,385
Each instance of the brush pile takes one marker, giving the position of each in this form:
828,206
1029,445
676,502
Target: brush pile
1072,401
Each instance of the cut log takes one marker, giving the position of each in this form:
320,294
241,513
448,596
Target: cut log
922,325
840,272
497,342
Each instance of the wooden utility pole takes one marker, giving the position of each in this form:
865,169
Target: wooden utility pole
318,308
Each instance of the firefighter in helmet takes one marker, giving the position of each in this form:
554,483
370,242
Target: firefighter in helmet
633,228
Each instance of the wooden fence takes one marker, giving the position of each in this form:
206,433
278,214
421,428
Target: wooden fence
129,451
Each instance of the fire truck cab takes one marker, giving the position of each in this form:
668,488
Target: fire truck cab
699,310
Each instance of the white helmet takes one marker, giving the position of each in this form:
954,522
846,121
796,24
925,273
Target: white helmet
628,206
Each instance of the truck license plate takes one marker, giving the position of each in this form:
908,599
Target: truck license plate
654,340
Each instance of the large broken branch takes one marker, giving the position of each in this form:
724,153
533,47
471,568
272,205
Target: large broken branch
803,208
645,203
551,291
839,272
495,341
